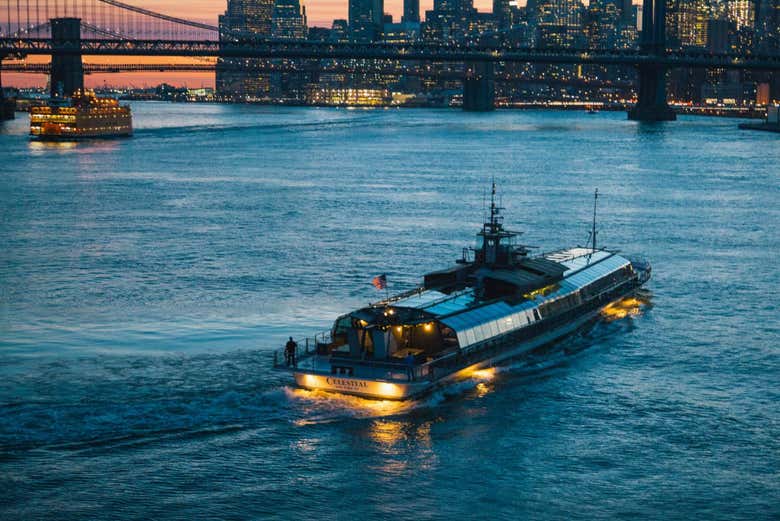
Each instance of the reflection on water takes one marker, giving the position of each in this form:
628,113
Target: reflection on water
483,374
483,389
38,146
404,445
89,146
387,432
627,307
315,403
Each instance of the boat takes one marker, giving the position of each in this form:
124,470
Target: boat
81,116
498,301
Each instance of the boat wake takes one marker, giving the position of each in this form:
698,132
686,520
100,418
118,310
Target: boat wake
101,403
218,129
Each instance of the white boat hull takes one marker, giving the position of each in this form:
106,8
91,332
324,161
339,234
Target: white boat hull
393,390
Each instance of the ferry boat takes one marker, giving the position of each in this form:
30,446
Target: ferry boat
499,304
83,115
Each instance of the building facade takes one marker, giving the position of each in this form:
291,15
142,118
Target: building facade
411,11
237,78
365,20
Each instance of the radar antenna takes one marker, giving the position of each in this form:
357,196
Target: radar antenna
496,219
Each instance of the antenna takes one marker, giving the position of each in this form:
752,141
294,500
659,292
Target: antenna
493,209
593,231
483,204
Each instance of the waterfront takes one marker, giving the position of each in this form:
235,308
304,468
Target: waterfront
144,282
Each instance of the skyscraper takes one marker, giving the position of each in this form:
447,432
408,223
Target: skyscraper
411,11
502,13
610,24
365,20
741,12
767,26
686,22
557,23
449,20
603,23
235,77
248,16
288,20
288,23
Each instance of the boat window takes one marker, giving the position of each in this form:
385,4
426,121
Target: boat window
479,335
342,324
536,314
505,324
494,328
366,342
489,331
517,320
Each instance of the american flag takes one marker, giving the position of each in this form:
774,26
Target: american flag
380,281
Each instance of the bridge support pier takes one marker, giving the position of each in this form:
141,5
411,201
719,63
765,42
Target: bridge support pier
479,92
67,71
651,104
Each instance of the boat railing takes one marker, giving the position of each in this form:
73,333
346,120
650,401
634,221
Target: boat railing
305,348
642,267
400,296
420,290
450,296
319,344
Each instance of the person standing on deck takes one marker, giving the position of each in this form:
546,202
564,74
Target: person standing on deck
289,352
409,361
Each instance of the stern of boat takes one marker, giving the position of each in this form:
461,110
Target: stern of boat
364,387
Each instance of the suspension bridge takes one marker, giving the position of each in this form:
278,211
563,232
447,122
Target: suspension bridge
66,30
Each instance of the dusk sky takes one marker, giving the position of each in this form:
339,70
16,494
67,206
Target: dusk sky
320,12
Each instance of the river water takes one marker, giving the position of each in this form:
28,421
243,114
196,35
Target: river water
145,282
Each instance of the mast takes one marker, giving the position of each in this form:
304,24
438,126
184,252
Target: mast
493,211
593,231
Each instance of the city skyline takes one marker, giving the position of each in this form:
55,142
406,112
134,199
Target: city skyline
319,13
546,23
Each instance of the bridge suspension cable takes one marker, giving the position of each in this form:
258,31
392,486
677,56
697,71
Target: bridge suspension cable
161,16
30,18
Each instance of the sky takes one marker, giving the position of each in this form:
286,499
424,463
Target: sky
319,12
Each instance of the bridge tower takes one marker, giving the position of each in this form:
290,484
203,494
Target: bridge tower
67,71
479,92
651,103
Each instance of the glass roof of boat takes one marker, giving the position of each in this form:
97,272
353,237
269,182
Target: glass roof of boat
594,271
453,305
482,315
501,311
577,258
421,299
457,306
